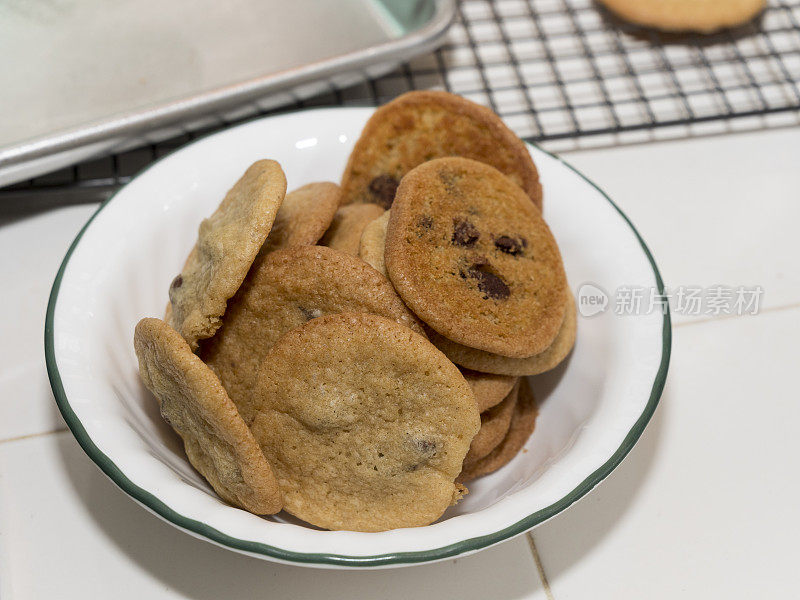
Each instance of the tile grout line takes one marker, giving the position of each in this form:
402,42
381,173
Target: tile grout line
33,435
539,567
768,310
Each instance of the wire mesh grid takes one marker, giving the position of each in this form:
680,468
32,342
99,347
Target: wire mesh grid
553,70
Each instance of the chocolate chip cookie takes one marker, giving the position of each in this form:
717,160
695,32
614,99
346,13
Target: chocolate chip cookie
348,224
523,423
283,290
304,216
192,401
227,244
373,243
473,258
419,126
366,423
489,389
705,16
503,365
495,423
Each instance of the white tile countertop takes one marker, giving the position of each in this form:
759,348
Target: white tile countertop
705,505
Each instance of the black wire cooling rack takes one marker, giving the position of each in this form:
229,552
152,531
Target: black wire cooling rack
553,70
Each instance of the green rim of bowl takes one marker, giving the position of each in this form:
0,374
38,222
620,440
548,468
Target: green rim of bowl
397,558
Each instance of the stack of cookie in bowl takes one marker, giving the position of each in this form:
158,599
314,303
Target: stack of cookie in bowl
355,354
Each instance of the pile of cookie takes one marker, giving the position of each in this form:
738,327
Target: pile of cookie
354,354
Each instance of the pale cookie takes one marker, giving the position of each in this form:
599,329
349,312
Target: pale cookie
473,258
366,423
523,423
218,443
348,224
227,244
502,365
304,216
285,289
495,423
705,16
419,126
373,243
489,389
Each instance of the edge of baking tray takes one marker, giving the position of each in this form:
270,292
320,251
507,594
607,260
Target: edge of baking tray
139,121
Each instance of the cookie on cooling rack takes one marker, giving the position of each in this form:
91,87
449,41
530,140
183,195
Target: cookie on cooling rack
704,16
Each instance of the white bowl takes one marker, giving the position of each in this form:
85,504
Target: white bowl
593,407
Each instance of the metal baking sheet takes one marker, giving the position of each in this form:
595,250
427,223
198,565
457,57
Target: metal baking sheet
80,77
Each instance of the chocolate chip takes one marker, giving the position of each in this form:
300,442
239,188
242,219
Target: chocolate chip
489,283
427,447
509,245
450,179
464,233
425,222
383,189
310,313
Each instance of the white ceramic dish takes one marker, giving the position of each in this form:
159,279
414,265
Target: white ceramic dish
593,408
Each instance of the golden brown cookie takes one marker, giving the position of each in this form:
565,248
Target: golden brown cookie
283,290
489,389
419,126
473,258
495,423
227,244
365,422
218,443
373,243
705,16
304,216
523,423
348,224
503,365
